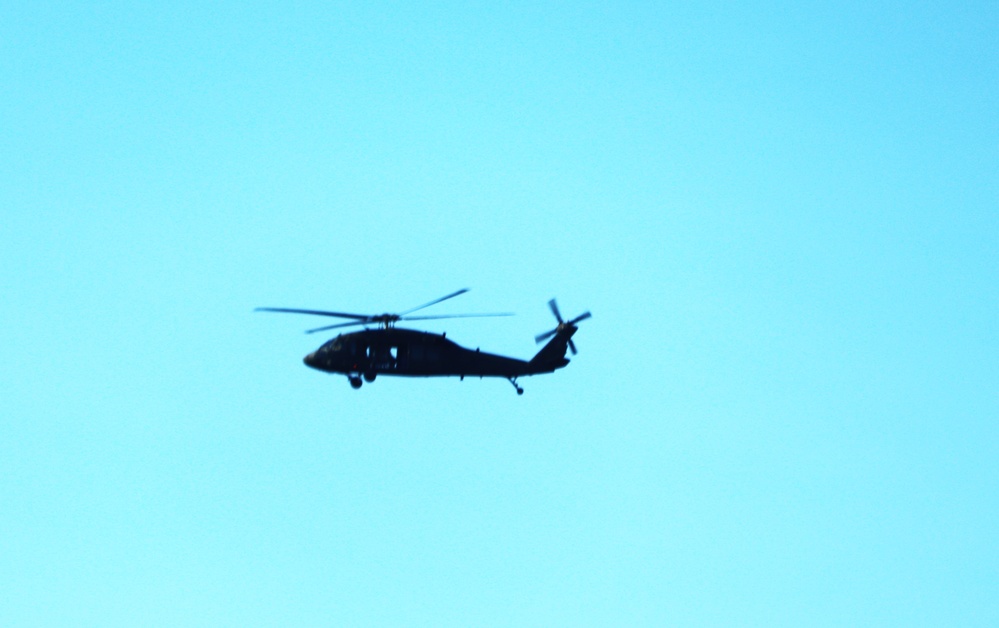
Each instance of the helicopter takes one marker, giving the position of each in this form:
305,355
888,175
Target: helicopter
389,350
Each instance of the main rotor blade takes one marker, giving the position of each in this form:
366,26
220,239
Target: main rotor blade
452,295
554,307
572,346
430,318
314,312
581,317
328,327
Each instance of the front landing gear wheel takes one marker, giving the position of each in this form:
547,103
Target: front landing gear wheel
369,376
355,382
513,380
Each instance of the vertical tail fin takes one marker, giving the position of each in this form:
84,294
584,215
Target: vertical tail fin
553,353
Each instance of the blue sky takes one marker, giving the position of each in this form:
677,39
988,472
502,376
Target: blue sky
782,216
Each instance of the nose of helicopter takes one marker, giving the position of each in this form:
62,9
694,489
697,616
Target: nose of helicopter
310,360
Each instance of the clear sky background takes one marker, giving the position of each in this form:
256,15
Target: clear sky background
783,216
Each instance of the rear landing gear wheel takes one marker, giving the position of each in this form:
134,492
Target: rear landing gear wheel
355,382
370,376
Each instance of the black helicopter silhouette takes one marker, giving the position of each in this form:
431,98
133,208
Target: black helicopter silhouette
390,350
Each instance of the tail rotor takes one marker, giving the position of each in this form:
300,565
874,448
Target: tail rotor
562,324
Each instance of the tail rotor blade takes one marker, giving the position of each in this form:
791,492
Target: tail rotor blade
554,308
545,336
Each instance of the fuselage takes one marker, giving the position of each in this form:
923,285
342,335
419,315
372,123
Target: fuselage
407,352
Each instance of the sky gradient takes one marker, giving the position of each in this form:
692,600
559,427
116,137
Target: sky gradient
784,218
